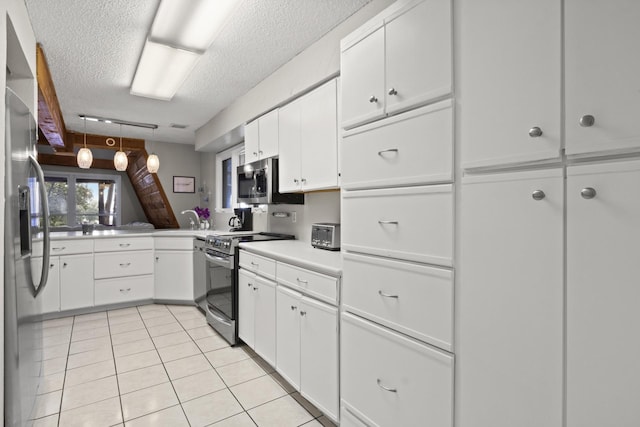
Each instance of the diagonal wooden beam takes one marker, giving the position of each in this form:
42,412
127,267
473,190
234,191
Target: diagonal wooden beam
50,119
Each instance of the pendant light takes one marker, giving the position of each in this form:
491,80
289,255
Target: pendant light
153,162
120,160
85,158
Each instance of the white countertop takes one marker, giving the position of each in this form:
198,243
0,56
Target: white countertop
99,234
299,253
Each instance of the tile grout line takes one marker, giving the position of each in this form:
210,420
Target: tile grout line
115,367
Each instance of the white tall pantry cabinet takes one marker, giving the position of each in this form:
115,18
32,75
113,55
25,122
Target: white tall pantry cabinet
547,286
396,361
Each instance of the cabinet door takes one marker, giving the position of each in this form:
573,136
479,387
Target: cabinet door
510,301
173,275
251,142
246,307
76,281
319,138
50,296
603,243
418,55
268,125
319,355
509,80
362,75
602,68
288,335
265,319
289,148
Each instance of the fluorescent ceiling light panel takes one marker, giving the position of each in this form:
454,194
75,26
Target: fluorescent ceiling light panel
162,70
191,24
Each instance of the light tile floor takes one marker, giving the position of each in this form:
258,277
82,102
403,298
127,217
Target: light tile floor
159,365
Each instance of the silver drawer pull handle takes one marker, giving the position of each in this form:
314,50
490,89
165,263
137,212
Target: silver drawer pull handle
293,307
254,264
383,294
388,150
125,290
59,249
392,390
125,245
125,264
304,282
588,193
381,222
538,195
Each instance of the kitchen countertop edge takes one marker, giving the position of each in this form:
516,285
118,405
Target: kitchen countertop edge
300,254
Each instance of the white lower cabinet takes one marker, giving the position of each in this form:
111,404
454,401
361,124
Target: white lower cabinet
76,281
510,300
174,275
307,348
603,292
257,314
49,297
389,379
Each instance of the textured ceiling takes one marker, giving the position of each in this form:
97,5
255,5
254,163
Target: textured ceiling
93,47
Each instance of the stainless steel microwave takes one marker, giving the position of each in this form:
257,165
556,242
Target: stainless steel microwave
258,184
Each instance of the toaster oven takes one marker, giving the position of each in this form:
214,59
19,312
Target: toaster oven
326,235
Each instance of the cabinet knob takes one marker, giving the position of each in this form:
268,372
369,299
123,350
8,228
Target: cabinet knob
255,153
304,180
392,92
303,313
535,132
64,265
538,195
157,258
295,180
293,307
249,284
373,99
588,193
587,121
255,288
51,266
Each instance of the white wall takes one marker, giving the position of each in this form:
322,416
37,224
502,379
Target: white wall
178,160
317,63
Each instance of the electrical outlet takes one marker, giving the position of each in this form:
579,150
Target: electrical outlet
294,216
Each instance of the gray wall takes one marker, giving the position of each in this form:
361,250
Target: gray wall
178,160
131,208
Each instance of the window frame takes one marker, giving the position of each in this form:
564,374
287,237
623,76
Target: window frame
71,195
236,154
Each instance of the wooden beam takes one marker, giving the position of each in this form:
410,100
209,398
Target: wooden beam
100,141
70,161
50,119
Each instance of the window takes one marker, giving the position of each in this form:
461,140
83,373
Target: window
227,163
78,198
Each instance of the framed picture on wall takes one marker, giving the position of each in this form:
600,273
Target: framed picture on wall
184,184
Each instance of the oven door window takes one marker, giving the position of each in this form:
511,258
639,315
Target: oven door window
220,289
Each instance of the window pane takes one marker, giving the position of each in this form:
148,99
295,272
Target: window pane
227,189
96,201
57,191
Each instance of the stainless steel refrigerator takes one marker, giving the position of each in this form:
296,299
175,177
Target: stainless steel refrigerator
26,235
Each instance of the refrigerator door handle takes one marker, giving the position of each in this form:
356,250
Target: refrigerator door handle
46,251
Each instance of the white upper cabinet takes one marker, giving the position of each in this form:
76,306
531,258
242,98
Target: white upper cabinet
602,69
309,141
261,137
396,62
509,81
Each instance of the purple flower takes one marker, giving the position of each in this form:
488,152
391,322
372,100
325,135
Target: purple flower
202,212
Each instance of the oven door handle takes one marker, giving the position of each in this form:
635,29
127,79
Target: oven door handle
218,318
224,262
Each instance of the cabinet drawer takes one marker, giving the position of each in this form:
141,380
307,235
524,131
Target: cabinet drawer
111,291
173,243
414,299
121,264
309,282
412,148
66,247
263,266
123,244
412,223
391,380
